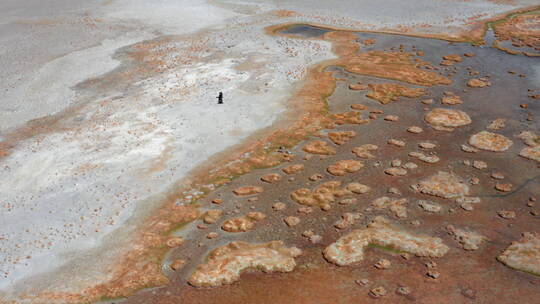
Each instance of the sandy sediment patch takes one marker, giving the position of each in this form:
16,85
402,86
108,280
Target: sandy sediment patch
319,147
350,248
490,141
343,167
524,254
468,239
341,137
226,263
322,196
447,119
243,223
443,184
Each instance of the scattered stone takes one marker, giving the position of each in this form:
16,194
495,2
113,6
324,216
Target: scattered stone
211,216
348,201
396,206
468,54
504,187
479,83
427,101
225,263
395,163
347,220
466,202
429,206
468,149
443,184
378,292
531,153
358,87
469,240
319,147
350,248
177,264
447,119
315,177
396,142
395,171
450,98
212,235
507,214
339,138
480,165
293,169
415,129
243,223
322,196
357,188
431,159
248,190
362,282
271,178
453,57
358,107
391,118
427,145
490,141
497,124
529,138
410,166
383,264
305,210
433,274
292,221
343,167
217,201
364,151
469,293
403,290
174,242
312,237
279,206
524,254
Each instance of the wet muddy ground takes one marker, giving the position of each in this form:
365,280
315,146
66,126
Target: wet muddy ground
460,276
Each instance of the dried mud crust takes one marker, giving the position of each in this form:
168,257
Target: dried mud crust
350,248
226,263
524,254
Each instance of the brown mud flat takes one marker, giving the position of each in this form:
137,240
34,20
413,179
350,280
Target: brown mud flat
461,275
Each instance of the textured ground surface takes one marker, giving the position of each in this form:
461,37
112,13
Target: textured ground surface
98,135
